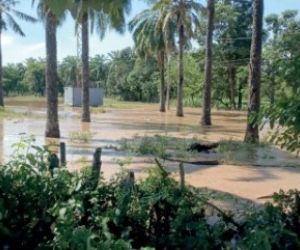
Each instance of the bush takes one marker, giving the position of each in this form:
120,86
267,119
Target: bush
42,209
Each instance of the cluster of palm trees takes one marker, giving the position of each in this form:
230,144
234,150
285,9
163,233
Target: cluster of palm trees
155,31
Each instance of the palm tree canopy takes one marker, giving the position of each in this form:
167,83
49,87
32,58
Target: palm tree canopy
9,12
185,12
56,7
103,15
149,36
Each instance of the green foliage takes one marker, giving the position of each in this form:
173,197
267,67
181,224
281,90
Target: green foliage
68,71
142,81
13,75
156,146
286,115
35,76
39,210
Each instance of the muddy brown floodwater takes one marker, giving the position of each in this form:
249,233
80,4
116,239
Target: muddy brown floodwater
107,128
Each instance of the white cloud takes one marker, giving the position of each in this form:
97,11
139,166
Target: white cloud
35,48
21,51
7,40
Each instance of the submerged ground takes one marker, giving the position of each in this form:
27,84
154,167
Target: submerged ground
248,174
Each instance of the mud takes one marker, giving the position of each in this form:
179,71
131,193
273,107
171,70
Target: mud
244,178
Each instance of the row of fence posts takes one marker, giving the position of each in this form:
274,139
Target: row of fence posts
55,162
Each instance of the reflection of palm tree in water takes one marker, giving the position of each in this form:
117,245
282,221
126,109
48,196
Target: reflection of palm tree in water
85,127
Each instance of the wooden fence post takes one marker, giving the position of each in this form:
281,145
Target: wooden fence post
53,162
96,167
182,175
63,160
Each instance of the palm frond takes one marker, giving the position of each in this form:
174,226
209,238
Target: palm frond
24,16
14,25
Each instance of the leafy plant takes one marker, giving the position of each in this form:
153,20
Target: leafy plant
286,115
40,210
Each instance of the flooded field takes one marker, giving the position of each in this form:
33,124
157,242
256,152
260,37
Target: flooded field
268,172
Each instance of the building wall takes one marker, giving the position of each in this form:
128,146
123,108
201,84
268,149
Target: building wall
73,96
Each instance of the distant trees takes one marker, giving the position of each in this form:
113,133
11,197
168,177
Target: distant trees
13,75
8,12
232,42
35,78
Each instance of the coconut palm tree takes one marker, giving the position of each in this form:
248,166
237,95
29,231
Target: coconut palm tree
206,113
51,13
186,13
150,38
102,15
252,134
8,12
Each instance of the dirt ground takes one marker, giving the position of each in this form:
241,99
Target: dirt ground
111,124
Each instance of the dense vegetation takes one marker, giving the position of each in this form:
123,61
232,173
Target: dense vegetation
42,208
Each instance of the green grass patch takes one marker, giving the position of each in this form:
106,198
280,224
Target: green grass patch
118,104
80,137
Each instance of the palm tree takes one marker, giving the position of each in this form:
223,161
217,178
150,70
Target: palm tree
150,38
185,12
102,15
7,20
206,113
51,12
252,134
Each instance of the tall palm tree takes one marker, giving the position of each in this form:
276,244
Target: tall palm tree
206,113
51,13
186,13
252,133
102,15
150,38
8,12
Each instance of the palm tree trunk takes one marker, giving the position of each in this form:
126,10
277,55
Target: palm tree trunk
180,83
168,104
85,69
232,86
52,125
252,133
206,113
240,100
272,96
1,77
161,55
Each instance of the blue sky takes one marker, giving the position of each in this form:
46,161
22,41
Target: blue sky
17,49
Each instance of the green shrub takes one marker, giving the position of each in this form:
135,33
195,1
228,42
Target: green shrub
40,209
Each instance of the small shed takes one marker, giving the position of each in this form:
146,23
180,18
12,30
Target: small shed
73,96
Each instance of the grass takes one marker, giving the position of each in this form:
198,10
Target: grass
80,137
228,152
114,103
123,161
157,146
29,98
